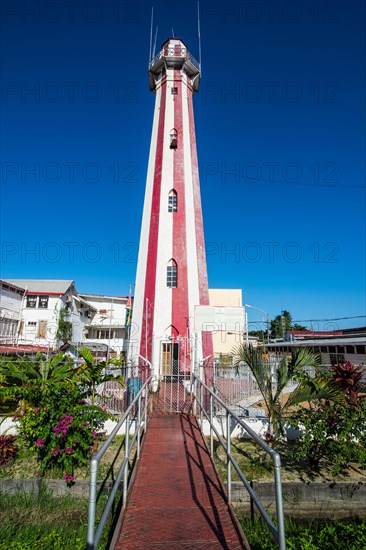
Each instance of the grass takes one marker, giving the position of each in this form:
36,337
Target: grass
257,465
46,522
25,464
308,534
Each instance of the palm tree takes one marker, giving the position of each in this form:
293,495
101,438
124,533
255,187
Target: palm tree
42,370
271,385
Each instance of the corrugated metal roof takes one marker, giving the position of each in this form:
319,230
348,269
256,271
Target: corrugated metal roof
319,342
42,285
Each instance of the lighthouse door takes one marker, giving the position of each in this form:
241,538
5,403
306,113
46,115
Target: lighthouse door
170,359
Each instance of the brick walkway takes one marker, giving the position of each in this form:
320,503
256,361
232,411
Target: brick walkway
176,500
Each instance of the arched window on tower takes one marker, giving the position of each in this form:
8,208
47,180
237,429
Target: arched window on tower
173,138
173,201
172,274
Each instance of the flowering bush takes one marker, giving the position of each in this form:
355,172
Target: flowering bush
59,426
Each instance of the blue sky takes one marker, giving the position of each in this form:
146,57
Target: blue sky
280,121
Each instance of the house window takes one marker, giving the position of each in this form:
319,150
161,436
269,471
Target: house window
174,90
171,274
31,301
43,302
173,138
172,201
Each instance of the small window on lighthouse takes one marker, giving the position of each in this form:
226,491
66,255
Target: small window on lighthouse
173,138
172,201
171,274
174,90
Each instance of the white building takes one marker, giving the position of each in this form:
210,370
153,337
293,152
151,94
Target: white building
40,308
30,312
107,325
11,297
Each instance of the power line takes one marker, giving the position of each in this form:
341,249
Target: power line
331,319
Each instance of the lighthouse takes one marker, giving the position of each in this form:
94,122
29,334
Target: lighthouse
171,277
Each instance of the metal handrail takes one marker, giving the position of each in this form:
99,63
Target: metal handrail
198,388
93,536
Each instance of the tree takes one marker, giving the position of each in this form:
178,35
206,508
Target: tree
281,324
296,326
64,327
272,384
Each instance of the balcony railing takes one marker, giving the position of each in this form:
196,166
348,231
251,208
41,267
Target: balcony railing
175,51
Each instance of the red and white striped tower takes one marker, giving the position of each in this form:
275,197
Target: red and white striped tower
171,273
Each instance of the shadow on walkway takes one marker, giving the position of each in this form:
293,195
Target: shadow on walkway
177,500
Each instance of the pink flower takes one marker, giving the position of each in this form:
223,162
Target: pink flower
68,478
40,443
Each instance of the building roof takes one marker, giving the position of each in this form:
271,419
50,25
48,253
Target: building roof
53,286
8,348
7,281
101,296
335,341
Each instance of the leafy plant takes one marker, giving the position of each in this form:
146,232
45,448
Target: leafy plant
334,432
272,384
93,373
349,378
64,327
41,371
8,449
59,426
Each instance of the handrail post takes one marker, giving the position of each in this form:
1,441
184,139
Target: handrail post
146,404
92,504
125,473
138,427
228,443
211,421
279,503
201,404
194,391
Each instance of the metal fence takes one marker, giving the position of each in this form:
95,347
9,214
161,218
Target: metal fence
173,394
236,386
116,398
205,402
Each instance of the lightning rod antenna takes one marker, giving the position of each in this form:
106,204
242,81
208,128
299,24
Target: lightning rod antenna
151,30
199,35
156,34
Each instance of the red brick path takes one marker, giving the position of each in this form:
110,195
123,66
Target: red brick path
176,500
